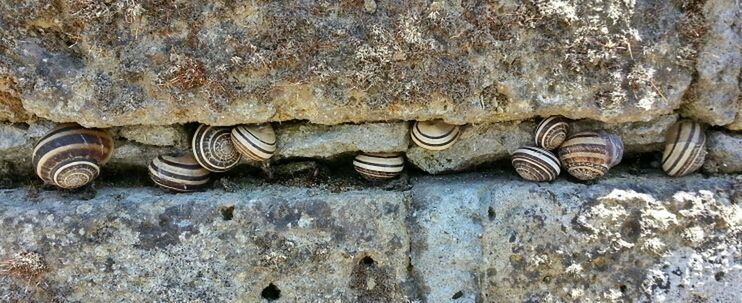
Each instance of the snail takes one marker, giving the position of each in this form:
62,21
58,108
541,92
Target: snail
536,164
434,135
685,148
70,156
255,142
552,132
180,173
589,155
213,148
379,166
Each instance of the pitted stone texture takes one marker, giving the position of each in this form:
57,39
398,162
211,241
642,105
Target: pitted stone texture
172,135
139,244
623,239
724,152
222,63
713,96
320,141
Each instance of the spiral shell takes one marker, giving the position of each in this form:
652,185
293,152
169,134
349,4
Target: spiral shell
70,156
255,142
536,164
552,132
180,173
434,135
213,148
379,166
589,155
685,148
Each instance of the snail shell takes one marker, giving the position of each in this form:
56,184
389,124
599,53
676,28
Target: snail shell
180,173
685,148
213,148
255,142
434,135
589,155
379,166
536,164
70,156
552,132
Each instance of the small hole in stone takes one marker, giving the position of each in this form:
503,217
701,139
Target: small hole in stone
719,275
271,292
227,213
622,288
368,261
491,213
457,295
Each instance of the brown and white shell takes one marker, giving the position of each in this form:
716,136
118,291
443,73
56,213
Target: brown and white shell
589,155
685,148
536,164
551,132
179,173
379,166
70,156
213,148
256,142
434,135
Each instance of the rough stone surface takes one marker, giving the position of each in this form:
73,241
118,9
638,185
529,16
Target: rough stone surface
713,96
140,244
462,238
624,239
320,141
724,152
218,62
173,135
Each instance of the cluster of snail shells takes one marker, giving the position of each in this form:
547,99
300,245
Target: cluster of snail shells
214,149
539,163
685,148
70,156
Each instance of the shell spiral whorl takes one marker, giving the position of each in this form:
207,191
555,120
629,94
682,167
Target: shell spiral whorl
70,156
685,148
589,155
551,132
536,164
213,149
379,166
434,135
255,142
180,173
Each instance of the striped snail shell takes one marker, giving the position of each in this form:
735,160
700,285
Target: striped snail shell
255,142
685,148
552,132
213,148
536,164
589,155
379,166
434,135
180,173
70,156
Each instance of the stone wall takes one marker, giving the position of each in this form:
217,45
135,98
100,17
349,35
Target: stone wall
339,77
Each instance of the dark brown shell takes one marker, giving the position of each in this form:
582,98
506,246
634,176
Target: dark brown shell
70,156
536,164
589,155
552,132
180,173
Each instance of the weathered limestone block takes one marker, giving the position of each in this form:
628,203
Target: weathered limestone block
724,152
712,97
648,238
172,135
226,63
320,141
141,244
